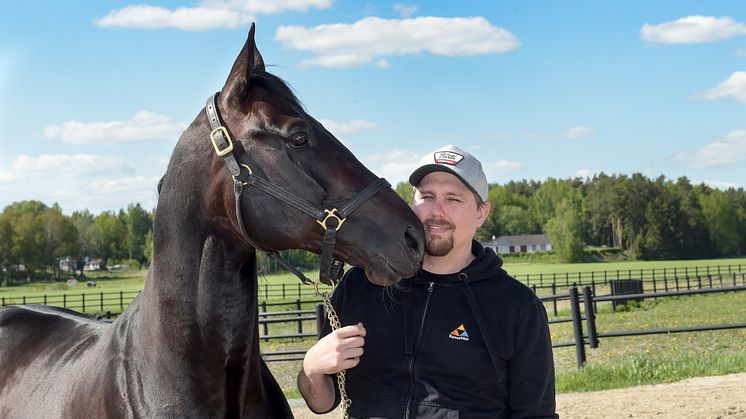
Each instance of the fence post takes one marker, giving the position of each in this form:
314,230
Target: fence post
297,304
82,298
64,300
264,310
319,320
102,302
554,300
121,300
590,317
577,327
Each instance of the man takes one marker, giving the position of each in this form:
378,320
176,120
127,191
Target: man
460,339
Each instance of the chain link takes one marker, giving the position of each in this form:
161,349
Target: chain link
345,401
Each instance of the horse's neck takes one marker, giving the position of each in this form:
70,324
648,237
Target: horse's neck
199,307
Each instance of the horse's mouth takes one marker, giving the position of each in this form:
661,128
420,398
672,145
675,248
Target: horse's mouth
383,274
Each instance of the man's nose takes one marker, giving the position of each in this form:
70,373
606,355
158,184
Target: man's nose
437,207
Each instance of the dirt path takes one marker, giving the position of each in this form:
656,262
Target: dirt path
701,398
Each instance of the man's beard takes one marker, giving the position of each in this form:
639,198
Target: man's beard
435,244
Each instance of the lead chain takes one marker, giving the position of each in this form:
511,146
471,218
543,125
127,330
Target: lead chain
345,401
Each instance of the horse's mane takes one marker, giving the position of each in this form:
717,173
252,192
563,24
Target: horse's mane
278,86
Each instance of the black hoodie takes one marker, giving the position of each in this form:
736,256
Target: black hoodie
474,344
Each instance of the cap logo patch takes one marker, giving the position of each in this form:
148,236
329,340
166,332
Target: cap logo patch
447,157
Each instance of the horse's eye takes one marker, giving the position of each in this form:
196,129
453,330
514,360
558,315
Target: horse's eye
298,140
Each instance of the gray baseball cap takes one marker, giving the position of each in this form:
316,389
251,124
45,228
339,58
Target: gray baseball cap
453,160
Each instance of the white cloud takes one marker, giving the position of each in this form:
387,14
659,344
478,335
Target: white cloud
372,38
693,30
501,167
498,135
142,126
347,127
54,165
726,151
209,14
395,165
734,87
587,173
110,194
405,10
183,18
573,133
722,185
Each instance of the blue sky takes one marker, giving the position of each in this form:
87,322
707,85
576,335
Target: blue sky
94,95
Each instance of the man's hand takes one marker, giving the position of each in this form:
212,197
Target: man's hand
337,351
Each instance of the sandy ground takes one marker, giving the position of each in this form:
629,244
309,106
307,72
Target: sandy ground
701,398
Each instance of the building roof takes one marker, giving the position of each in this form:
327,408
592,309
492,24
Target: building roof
520,240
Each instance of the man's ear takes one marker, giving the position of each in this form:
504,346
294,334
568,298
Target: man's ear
482,213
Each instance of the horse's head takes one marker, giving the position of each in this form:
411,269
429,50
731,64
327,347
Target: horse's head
276,141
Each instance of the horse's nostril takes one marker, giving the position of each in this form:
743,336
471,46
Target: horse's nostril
413,240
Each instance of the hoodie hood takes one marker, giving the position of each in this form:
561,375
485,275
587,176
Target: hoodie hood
484,265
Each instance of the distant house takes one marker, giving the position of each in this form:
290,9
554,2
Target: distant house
93,265
524,243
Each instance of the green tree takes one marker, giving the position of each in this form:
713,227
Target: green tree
27,249
721,219
404,190
108,235
566,230
82,220
7,258
139,223
148,248
60,237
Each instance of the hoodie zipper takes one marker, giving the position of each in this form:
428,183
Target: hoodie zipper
410,396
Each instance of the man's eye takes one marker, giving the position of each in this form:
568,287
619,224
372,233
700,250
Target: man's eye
299,140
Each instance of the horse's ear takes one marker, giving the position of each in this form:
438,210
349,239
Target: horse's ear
249,61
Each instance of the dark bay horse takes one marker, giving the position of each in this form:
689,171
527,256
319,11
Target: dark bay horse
188,345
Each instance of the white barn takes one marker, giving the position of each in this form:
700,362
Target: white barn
523,243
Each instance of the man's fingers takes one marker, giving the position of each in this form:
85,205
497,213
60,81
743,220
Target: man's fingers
349,331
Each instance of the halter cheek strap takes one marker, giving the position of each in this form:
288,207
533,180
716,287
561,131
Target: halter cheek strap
331,220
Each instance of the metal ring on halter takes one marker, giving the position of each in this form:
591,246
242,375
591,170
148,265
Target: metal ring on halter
250,172
332,214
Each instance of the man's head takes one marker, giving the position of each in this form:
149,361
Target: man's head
450,199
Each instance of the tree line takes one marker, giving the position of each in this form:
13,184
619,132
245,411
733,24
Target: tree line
647,218
650,219
34,238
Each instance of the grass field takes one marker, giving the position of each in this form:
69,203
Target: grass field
618,362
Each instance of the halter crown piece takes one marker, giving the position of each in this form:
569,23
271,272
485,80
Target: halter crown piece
331,220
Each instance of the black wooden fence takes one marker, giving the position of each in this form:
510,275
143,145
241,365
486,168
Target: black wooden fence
591,337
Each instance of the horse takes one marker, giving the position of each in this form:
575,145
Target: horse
188,345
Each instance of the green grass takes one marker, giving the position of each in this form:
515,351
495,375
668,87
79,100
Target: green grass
627,361
650,369
522,268
618,362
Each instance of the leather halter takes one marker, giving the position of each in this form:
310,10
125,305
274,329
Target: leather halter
331,220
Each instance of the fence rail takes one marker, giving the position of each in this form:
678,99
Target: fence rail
657,283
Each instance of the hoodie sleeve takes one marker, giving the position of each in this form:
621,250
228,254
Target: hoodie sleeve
531,369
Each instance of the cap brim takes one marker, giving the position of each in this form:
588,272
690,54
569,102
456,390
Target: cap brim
416,177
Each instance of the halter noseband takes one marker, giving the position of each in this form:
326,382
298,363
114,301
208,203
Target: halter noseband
331,220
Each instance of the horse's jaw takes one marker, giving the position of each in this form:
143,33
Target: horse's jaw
383,274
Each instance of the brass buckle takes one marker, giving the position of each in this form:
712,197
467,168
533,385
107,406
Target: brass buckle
331,214
218,151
